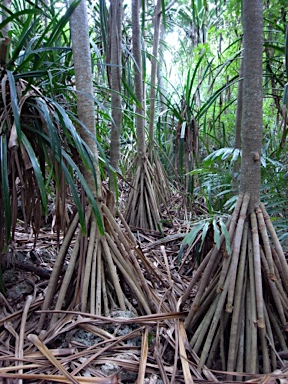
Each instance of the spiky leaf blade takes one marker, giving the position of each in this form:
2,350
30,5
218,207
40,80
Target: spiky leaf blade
204,233
226,235
75,195
216,233
5,186
14,103
88,191
190,237
37,171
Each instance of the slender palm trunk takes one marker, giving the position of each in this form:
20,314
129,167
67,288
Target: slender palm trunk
238,124
138,81
252,100
156,24
244,304
115,54
4,43
161,86
84,85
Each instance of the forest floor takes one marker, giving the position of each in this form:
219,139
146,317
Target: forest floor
83,348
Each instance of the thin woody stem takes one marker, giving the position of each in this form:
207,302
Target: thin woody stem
257,271
236,251
266,242
234,331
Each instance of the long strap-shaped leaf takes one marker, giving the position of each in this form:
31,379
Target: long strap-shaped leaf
5,185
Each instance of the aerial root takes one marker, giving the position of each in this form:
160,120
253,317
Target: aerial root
149,192
103,273
240,309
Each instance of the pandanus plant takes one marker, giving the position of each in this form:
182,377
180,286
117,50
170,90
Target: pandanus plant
49,148
242,290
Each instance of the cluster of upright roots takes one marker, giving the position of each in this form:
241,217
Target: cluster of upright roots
238,317
103,273
239,314
149,192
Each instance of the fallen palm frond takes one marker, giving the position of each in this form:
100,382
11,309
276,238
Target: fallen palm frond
36,131
96,345
239,312
94,348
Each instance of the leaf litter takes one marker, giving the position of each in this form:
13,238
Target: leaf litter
121,348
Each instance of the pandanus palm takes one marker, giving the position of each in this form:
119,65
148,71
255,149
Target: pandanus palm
150,187
105,257
41,150
242,296
38,136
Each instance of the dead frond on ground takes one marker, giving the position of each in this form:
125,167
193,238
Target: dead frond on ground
120,347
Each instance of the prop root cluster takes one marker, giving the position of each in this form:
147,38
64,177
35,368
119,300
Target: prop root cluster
240,310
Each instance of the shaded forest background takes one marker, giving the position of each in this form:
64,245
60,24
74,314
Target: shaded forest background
195,92
152,158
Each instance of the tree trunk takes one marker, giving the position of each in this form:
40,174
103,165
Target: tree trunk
142,207
252,100
138,85
161,86
99,262
115,54
156,24
84,86
238,124
241,302
4,43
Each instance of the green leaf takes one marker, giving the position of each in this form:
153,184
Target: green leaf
89,193
227,153
103,23
230,204
86,155
14,103
5,186
17,15
71,183
37,171
163,13
31,74
221,153
188,95
44,49
215,95
190,237
59,26
55,143
204,233
236,153
76,198
131,93
226,235
27,30
197,171
68,126
216,234
100,63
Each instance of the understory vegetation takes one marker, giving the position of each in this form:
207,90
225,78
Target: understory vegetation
113,227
